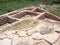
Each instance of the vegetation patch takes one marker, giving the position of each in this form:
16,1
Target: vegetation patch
25,24
53,9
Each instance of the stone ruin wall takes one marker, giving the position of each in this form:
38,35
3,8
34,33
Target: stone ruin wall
15,16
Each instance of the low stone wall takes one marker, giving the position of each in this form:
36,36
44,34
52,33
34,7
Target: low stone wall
5,19
52,16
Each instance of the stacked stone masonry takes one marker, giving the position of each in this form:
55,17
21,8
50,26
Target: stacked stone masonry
43,30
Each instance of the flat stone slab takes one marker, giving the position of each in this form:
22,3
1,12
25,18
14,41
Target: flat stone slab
5,42
51,37
42,42
37,36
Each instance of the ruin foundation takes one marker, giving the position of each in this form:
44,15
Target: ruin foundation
29,26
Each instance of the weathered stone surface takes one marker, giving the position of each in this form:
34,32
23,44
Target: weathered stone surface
37,36
2,36
42,42
57,28
15,40
57,42
51,37
36,41
42,24
46,30
22,33
30,32
26,41
9,32
50,20
5,42
11,36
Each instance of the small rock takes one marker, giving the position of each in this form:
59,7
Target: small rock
30,32
37,36
22,33
57,28
51,37
5,42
